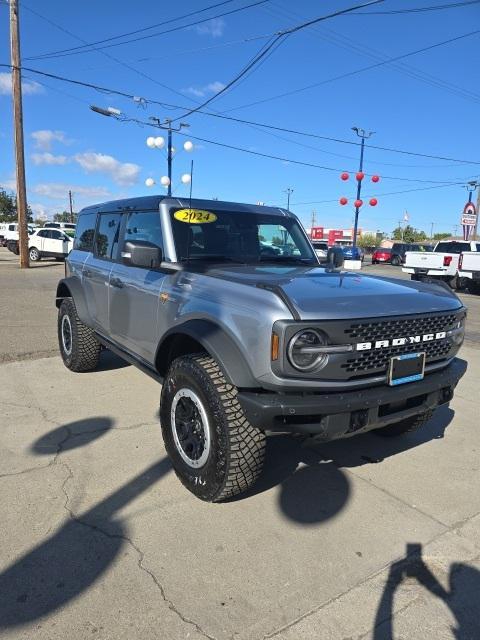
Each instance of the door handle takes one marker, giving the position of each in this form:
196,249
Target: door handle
116,282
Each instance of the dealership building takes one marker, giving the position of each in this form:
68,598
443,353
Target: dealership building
335,236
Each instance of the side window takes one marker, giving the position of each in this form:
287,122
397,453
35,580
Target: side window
56,235
43,233
106,239
85,232
144,225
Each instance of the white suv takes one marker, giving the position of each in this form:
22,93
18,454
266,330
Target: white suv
51,243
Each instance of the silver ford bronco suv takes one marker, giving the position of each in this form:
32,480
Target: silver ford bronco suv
227,306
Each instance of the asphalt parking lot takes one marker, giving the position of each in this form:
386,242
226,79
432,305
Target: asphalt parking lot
361,538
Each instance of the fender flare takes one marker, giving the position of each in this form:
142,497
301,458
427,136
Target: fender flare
71,287
218,344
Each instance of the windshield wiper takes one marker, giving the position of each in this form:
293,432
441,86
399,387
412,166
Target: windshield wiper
212,258
287,259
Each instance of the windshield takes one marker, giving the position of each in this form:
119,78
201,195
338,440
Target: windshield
246,238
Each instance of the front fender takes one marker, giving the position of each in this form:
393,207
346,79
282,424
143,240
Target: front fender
218,344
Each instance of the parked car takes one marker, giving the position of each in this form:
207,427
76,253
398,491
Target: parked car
469,269
399,250
321,249
49,243
381,255
67,227
246,344
353,253
442,263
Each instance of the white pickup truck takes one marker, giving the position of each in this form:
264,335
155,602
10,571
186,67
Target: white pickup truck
441,263
469,269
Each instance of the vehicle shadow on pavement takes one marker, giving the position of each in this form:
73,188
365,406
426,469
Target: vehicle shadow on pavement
462,596
67,563
109,361
313,487
72,435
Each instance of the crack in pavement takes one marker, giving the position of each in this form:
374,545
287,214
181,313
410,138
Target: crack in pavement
95,527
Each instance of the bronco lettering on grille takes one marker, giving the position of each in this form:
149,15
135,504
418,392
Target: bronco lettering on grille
399,342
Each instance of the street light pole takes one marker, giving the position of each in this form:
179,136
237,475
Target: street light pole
169,159
289,192
363,134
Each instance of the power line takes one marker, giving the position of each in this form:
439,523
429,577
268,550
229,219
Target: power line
274,157
352,73
76,50
438,7
277,41
131,33
344,42
130,96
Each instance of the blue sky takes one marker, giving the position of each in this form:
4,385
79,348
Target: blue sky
428,103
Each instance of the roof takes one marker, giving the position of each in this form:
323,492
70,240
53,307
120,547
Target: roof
152,203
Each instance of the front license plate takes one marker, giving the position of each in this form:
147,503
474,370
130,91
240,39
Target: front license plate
409,367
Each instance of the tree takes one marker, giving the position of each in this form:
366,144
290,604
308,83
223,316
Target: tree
367,241
8,208
442,235
277,241
409,234
65,216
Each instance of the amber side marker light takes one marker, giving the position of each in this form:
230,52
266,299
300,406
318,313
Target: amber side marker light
274,346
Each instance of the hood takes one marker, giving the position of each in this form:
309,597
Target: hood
319,294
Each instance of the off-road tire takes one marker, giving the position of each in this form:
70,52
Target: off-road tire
237,449
85,348
405,426
34,254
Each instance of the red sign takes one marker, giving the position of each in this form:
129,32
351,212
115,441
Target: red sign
316,233
334,234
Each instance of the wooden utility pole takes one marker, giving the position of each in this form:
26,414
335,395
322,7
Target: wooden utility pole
18,133
71,205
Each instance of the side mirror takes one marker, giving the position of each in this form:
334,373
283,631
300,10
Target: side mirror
140,253
335,258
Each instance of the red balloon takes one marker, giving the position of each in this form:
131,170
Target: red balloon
358,203
344,176
360,175
375,178
343,200
373,202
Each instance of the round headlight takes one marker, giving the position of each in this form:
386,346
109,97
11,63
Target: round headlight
303,350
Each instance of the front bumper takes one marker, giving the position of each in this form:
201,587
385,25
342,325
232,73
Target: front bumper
338,415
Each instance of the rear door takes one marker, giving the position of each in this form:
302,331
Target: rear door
135,292
97,267
39,239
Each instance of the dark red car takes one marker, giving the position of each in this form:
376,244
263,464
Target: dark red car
381,255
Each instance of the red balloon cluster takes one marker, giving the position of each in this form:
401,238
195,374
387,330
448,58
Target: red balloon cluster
360,176
375,178
343,200
373,202
344,176
358,203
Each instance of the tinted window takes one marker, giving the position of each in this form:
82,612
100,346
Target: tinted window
85,232
106,238
56,235
452,247
11,227
144,225
43,233
478,247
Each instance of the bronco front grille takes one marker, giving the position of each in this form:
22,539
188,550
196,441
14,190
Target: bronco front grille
387,329
377,360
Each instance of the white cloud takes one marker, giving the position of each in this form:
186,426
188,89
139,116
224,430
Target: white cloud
59,191
211,87
123,173
44,138
214,27
29,87
48,158
42,211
